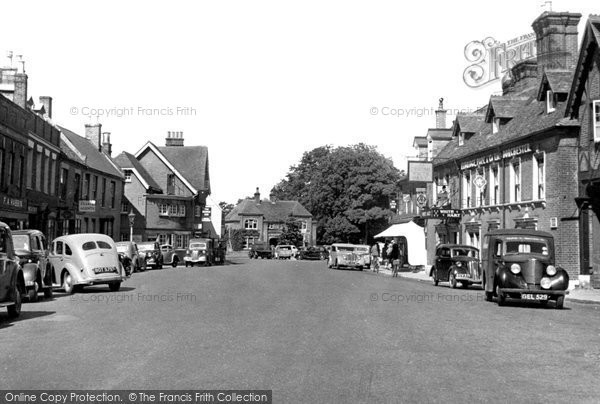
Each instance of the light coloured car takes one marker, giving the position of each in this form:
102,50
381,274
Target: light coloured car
286,251
349,255
79,260
169,255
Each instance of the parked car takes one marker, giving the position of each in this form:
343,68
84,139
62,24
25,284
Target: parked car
349,255
520,264
12,280
79,260
131,259
31,248
455,263
313,253
151,253
260,250
169,255
286,251
200,251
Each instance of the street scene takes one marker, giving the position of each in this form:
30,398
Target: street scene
269,203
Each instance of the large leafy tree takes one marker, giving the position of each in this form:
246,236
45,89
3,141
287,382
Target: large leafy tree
345,188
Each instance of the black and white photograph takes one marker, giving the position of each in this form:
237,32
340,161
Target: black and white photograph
270,201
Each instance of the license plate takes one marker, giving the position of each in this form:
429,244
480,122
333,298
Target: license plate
534,296
459,276
104,270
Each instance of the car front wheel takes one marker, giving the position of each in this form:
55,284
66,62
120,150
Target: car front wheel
32,292
175,262
114,286
560,301
452,280
500,296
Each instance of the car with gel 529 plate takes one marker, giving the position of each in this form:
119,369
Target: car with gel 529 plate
30,247
455,263
520,264
79,260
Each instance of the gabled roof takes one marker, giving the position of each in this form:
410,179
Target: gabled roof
439,133
188,163
420,141
589,47
82,150
559,81
127,161
467,123
504,107
278,211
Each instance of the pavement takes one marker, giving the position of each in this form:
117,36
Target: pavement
578,295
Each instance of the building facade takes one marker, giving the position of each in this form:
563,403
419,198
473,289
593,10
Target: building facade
268,218
166,189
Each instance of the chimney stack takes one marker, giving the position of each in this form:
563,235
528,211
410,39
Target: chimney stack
257,196
174,139
106,145
92,133
556,41
13,82
46,101
440,116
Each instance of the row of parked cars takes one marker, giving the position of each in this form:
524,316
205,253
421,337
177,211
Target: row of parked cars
286,251
30,266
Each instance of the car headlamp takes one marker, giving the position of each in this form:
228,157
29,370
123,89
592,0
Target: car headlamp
545,283
515,268
458,264
551,270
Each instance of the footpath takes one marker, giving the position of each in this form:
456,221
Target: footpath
577,295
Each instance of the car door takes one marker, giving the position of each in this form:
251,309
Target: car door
444,263
5,267
56,261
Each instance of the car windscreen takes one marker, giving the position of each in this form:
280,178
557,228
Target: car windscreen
345,249
361,250
526,245
122,247
285,247
145,247
198,246
465,252
21,242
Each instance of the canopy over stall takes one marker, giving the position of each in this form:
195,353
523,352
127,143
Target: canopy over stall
415,240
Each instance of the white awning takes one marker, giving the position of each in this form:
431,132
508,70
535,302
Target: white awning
415,240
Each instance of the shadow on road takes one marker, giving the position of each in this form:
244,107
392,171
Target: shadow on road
6,322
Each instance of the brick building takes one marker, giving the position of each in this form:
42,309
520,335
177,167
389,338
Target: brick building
166,187
584,105
268,218
90,184
514,163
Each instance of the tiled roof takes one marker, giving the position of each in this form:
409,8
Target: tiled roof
439,133
504,106
128,161
191,162
530,119
420,141
94,158
468,123
278,211
591,41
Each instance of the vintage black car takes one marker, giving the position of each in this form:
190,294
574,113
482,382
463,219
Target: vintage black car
12,282
150,250
313,253
520,264
31,248
455,263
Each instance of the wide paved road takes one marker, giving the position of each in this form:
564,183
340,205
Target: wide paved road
309,333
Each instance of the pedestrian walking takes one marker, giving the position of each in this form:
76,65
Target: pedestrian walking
375,257
395,259
384,253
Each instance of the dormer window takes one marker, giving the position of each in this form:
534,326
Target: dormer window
495,125
461,138
596,116
550,101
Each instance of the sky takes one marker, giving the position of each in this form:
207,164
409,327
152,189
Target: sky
260,82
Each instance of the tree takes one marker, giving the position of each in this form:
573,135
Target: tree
291,233
345,188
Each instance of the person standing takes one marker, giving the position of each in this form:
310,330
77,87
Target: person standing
375,257
395,259
384,253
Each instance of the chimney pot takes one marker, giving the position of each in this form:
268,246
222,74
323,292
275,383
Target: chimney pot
46,101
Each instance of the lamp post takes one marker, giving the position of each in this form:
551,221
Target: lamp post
131,217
